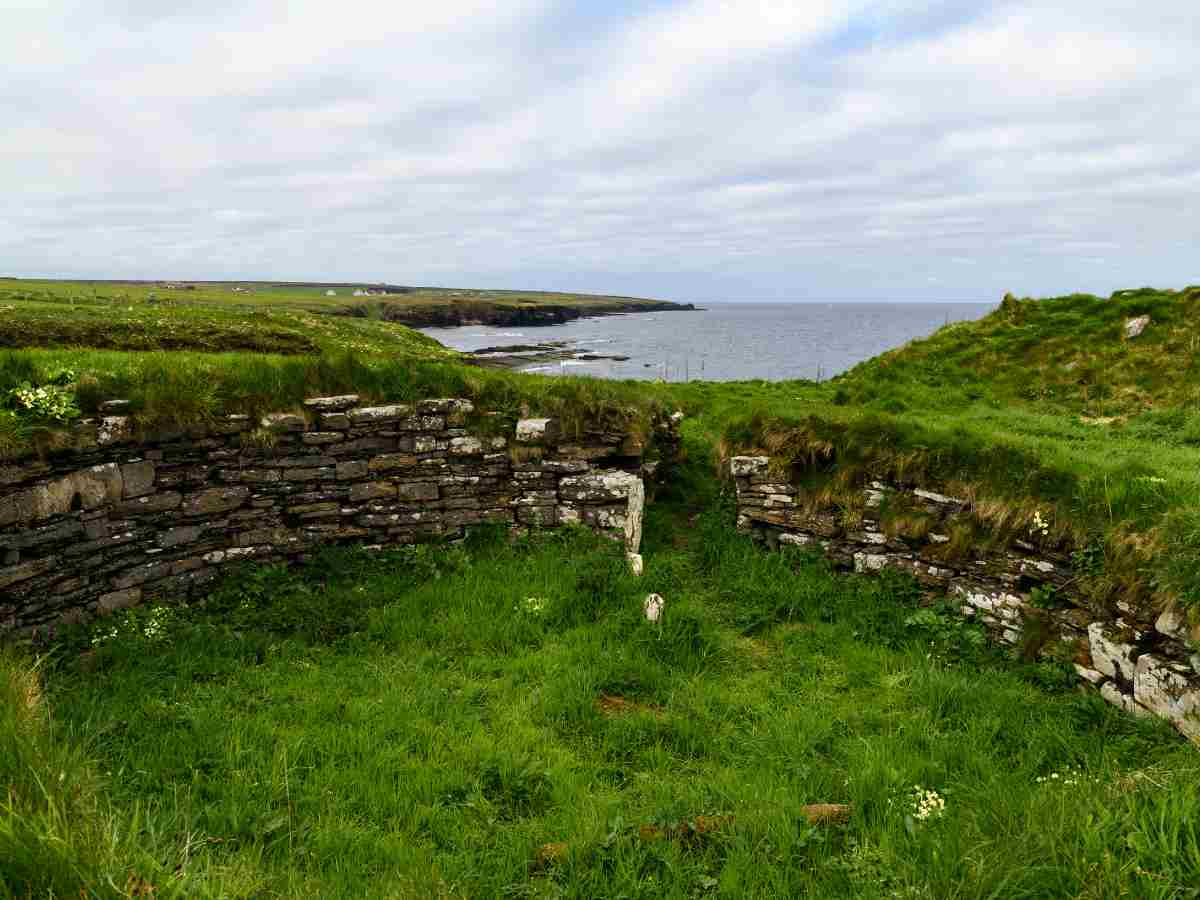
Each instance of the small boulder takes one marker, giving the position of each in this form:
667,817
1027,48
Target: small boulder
635,563
653,607
1134,327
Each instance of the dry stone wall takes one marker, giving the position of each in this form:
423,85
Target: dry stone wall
1145,667
118,519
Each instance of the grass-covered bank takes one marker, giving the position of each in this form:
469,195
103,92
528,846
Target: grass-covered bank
183,357
489,722
1043,408
181,389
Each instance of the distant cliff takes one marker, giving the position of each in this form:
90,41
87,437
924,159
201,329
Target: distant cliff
474,312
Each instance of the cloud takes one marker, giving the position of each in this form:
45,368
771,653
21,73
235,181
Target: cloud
700,150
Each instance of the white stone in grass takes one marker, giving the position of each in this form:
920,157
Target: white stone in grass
653,607
1134,327
635,563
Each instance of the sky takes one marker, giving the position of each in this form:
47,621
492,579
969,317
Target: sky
702,150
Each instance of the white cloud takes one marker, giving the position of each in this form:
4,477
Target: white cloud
779,144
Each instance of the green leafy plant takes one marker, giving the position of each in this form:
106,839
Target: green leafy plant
44,402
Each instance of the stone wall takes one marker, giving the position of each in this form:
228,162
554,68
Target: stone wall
1144,666
118,518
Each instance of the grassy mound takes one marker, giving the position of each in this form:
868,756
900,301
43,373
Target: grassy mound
1044,408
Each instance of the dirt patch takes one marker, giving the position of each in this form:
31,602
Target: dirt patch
612,705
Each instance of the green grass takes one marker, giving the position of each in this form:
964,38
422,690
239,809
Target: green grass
411,724
1040,407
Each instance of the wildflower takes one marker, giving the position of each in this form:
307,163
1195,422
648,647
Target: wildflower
925,804
533,606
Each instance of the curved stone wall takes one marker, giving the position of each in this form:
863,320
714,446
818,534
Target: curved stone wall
1144,666
119,519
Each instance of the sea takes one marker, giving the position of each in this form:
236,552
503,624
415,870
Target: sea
726,341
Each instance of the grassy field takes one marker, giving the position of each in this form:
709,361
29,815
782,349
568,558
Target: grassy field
487,722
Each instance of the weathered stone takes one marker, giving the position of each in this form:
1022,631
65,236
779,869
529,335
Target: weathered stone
1173,624
283,422
422,423
250,476
322,474
215,500
114,430
1110,656
351,469
445,407
11,575
587,452
536,431
744,466
633,516
598,487
137,478
115,406
418,491
387,462
636,564
372,490
335,421
321,438
377,415
182,534
296,462
1135,326
331,404
466,446
162,501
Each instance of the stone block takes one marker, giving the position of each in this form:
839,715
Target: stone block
182,534
536,431
351,469
215,500
1109,655
418,491
335,421
322,438
322,474
387,462
339,403
378,415
598,487
114,430
422,423
162,501
296,462
283,422
11,575
744,466
372,490
250,476
137,478
466,446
